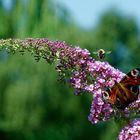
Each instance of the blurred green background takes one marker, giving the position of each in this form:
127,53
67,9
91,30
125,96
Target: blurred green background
33,105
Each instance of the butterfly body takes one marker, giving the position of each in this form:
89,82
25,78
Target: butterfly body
124,92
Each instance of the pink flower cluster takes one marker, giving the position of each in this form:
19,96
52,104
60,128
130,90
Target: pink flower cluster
130,132
105,75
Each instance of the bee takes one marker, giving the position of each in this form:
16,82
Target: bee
101,53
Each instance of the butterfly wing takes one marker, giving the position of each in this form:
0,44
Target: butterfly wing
125,92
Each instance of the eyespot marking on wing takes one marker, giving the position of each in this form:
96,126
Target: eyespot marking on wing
105,95
135,72
134,89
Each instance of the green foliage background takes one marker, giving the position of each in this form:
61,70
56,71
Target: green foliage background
33,105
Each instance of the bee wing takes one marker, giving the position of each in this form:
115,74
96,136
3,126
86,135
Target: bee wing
95,52
108,52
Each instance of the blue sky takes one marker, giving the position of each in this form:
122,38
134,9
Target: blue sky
87,12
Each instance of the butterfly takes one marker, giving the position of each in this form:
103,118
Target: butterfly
101,53
124,92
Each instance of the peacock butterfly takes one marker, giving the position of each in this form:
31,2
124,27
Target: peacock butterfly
124,92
